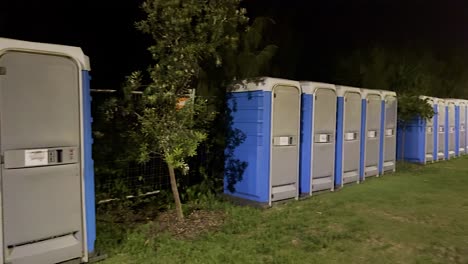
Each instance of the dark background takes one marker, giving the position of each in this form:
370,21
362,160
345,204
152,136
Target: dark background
311,35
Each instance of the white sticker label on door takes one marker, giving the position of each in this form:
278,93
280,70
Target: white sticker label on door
452,129
372,134
350,136
35,157
462,128
284,141
323,138
429,129
281,141
389,132
441,128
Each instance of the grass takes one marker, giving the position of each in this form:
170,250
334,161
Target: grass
418,215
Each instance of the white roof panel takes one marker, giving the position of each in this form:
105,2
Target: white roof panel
366,92
37,47
311,87
386,93
341,90
439,101
264,84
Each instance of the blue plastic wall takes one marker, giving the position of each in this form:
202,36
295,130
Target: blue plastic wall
88,164
339,142
457,130
411,141
307,104
251,113
382,132
446,130
363,139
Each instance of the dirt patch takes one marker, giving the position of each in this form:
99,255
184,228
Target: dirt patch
295,242
398,218
336,227
451,254
127,215
376,242
380,243
194,224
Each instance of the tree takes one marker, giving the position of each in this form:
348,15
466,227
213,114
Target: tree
187,34
251,58
410,74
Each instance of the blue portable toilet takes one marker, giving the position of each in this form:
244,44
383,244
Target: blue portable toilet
450,135
440,119
462,121
47,175
388,136
415,138
348,135
371,130
267,113
318,126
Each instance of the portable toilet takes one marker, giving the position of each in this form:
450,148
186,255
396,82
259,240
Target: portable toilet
348,135
371,130
47,180
462,121
466,126
450,128
388,137
267,112
415,138
457,127
441,127
318,125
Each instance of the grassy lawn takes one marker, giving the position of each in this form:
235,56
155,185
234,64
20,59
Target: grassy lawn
418,215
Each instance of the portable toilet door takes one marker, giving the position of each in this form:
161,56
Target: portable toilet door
466,126
435,122
318,125
457,127
430,148
441,128
371,130
430,139
389,126
267,113
451,131
47,181
462,109
348,135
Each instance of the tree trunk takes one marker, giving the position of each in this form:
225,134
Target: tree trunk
175,193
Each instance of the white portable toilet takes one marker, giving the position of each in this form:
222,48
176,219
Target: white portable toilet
431,136
462,138
451,104
389,126
267,112
441,128
318,119
47,178
371,127
348,135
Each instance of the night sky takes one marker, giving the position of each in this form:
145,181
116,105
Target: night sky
311,34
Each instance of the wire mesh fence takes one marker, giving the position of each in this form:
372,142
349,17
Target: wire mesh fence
116,178
131,180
